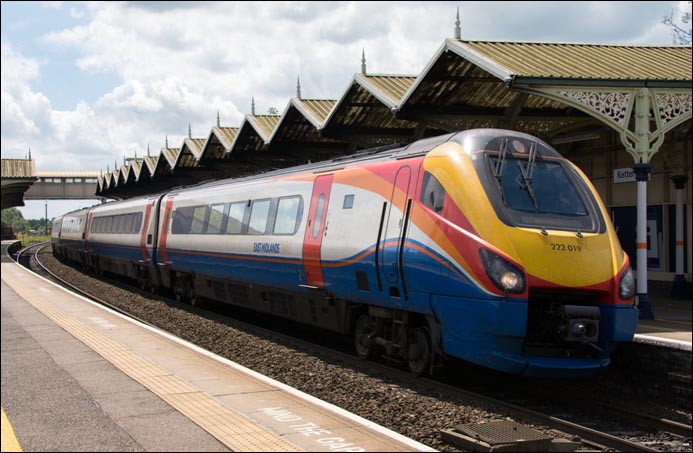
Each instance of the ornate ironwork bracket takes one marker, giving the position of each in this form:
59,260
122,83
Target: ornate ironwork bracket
623,108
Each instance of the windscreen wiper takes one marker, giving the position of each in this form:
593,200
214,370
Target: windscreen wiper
527,173
500,163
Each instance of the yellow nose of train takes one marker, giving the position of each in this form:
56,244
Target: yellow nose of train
561,259
554,290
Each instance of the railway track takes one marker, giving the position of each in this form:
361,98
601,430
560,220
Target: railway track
589,437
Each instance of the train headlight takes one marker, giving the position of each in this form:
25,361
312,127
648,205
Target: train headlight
511,280
503,274
626,285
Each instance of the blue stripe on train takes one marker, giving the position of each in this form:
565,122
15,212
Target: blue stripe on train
425,272
120,252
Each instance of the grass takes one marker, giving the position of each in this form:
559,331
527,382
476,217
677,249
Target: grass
26,240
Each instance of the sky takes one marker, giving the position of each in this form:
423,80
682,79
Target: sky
85,84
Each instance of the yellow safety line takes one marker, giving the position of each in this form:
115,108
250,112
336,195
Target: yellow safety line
231,428
9,440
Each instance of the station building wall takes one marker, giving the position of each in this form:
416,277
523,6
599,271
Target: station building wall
599,158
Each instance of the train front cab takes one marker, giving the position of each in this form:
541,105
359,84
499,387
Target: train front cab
538,283
71,235
55,236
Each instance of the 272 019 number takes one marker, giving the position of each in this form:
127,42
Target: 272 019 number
566,247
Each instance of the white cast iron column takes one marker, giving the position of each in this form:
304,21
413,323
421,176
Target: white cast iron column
642,174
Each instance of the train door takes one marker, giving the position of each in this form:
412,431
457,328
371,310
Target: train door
164,226
146,238
87,230
394,232
315,228
88,257
149,272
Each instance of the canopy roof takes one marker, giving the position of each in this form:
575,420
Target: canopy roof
608,64
545,89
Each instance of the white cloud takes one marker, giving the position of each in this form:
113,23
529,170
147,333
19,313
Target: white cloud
177,63
23,111
52,4
76,13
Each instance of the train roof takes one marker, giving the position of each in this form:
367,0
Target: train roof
380,153
377,154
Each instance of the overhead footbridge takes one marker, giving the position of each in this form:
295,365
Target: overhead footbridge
21,181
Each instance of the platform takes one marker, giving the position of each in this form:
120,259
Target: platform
77,376
673,320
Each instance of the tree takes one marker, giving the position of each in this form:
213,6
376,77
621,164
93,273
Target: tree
681,33
12,217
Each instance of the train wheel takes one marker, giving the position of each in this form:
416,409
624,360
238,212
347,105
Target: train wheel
180,290
363,337
420,352
193,297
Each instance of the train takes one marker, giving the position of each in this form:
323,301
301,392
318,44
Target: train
484,245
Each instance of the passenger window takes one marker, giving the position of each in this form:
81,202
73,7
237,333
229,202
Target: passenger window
432,193
137,223
348,202
216,216
235,222
287,215
182,220
109,224
130,220
258,217
198,220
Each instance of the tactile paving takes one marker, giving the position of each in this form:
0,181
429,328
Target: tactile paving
231,428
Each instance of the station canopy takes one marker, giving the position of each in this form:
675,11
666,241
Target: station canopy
297,135
17,176
545,89
363,115
550,90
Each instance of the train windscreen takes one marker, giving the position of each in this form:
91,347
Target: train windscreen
530,184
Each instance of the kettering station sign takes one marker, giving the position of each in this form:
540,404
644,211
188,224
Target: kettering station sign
622,175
